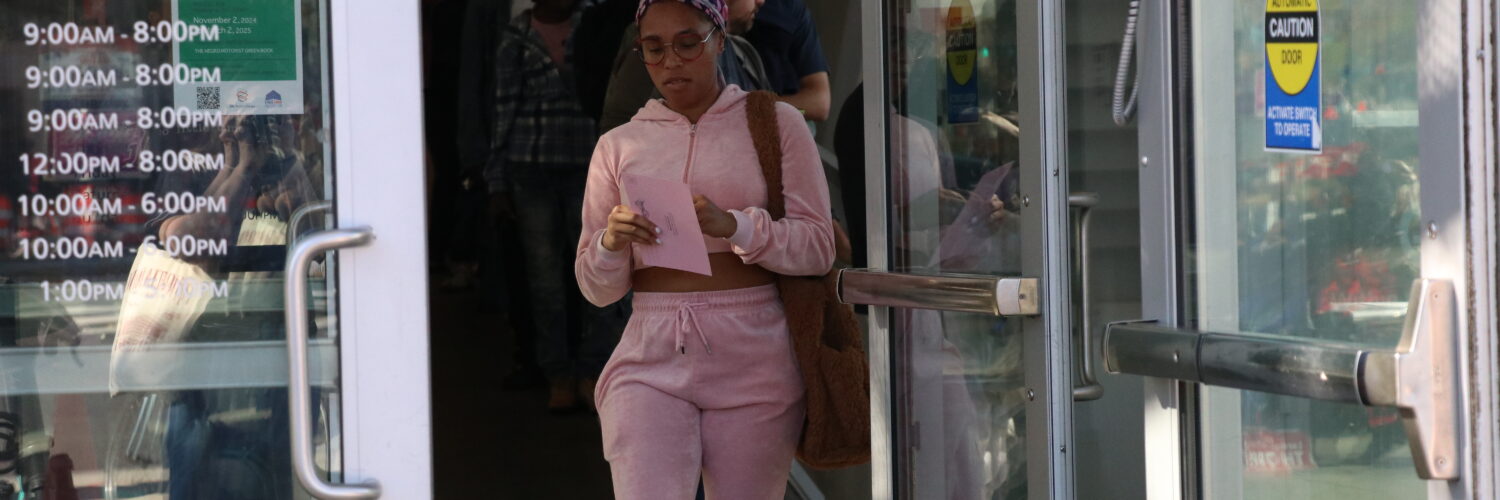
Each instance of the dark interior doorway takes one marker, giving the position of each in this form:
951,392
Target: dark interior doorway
487,438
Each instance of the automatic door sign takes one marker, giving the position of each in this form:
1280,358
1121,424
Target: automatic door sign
963,83
1294,90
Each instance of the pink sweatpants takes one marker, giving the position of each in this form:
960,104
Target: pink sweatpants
702,382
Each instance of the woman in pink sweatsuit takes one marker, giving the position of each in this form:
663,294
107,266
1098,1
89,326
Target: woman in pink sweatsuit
704,379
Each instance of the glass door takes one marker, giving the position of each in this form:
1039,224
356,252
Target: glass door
1319,240
968,231
169,205
1324,179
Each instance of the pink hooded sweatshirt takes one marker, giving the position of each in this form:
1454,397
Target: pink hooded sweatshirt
715,157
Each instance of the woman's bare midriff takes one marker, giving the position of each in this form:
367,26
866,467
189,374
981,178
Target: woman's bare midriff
729,273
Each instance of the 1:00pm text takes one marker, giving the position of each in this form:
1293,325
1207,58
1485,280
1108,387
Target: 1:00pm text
87,291
81,291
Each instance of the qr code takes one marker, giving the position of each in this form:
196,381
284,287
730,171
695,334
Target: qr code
208,97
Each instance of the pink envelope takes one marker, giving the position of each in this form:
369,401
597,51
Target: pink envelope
668,204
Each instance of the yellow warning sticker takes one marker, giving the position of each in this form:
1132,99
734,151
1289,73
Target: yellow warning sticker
963,81
1293,80
1292,42
961,41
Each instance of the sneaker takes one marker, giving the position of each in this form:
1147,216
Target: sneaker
564,396
586,392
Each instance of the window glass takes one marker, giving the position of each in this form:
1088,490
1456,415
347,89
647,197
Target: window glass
158,156
954,176
1317,245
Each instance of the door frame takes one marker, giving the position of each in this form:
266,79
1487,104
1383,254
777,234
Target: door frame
374,56
877,345
1455,87
1047,345
1482,114
1169,460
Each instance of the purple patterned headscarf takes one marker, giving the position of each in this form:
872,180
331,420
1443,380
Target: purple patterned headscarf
716,10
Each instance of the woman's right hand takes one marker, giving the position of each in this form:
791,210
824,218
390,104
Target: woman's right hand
625,227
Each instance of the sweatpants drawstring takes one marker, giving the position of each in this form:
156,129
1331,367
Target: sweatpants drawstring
687,316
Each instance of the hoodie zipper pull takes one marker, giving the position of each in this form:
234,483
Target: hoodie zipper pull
687,170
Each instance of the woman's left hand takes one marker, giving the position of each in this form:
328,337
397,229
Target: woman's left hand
713,220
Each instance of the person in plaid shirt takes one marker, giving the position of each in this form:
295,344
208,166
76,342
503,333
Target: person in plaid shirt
538,165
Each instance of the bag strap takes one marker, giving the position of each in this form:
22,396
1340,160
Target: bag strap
750,61
765,133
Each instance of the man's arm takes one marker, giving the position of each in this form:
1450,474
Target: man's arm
814,94
813,98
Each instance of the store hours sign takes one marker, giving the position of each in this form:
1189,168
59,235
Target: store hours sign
1294,87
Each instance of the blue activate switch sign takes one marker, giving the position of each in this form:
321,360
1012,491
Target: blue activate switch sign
1294,89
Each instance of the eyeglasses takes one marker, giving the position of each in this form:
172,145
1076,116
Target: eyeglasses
688,48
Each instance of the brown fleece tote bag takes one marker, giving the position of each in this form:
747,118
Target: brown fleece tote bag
825,335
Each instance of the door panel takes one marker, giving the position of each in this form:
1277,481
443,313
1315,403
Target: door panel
971,396
163,157
1101,160
1320,246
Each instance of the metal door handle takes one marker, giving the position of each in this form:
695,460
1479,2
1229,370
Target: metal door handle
1090,389
1420,376
298,389
302,213
943,292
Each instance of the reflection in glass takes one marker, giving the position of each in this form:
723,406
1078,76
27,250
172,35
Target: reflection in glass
155,152
953,151
1320,246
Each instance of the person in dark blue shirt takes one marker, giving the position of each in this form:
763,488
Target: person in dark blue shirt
795,67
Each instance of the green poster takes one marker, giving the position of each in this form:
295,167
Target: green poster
257,54
257,41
